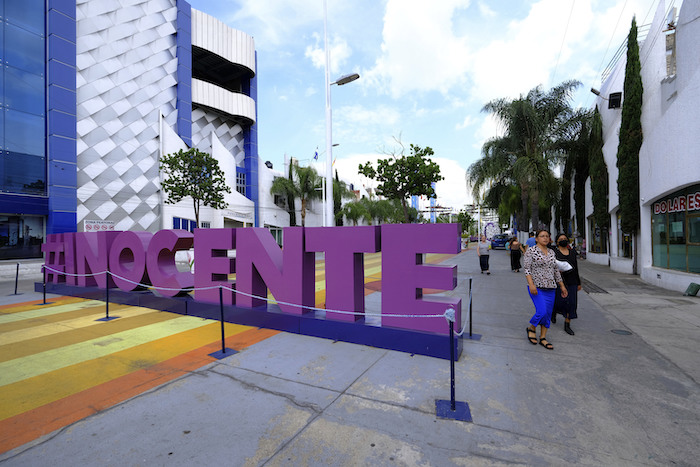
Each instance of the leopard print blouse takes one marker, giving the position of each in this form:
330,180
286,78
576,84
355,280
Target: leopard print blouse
542,268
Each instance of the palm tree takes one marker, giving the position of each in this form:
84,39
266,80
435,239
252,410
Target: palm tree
536,127
305,184
354,212
340,192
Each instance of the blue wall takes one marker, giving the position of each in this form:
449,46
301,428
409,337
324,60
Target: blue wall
184,71
250,147
62,117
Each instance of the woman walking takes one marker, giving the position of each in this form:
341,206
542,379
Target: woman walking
542,278
567,305
516,250
482,251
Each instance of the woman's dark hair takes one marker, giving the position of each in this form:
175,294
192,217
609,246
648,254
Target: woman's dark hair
560,235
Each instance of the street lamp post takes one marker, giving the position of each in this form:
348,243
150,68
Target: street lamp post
329,217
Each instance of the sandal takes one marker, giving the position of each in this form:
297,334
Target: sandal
532,338
544,343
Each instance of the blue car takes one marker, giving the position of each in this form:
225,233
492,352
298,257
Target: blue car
499,241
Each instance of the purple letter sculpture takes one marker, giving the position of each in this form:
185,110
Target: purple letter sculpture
160,262
404,277
127,260
91,258
288,273
212,264
54,250
345,272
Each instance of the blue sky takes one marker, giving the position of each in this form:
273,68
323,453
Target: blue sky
427,69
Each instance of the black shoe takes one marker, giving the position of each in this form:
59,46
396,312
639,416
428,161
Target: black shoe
554,318
567,328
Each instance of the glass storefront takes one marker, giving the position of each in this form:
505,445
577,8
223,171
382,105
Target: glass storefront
21,236
599,238
624,241
675,225
22,97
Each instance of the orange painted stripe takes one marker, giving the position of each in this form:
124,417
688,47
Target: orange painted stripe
28,426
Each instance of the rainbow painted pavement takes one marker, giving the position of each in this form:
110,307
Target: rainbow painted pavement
58,364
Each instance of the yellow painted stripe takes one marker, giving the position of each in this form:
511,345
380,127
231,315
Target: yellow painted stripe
48,329
48,310
74,336
38,363
45,388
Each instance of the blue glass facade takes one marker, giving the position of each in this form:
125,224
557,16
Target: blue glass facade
38,120
37,123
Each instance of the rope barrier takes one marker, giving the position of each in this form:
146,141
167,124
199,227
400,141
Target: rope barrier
238,292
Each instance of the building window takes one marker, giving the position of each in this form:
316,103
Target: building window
675,236
615,100
205,225
240,182
21,236
184,224
22,99
276,233
624,241
599,240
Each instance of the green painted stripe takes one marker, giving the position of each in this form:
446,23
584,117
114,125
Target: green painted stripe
43,362
48,310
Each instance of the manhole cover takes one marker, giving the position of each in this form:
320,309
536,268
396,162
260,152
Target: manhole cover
621,332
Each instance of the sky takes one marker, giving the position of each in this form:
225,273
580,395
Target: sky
426,70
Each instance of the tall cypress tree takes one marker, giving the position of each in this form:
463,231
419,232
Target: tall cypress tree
599,173
630,138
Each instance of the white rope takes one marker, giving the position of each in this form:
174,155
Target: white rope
238,292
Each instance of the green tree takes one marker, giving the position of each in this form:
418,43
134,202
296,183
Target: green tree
340,192
403,176
630,141
465,220
305,184
354,211
598,174
195,174
537,128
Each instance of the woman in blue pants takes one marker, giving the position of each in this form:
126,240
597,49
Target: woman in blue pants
542,278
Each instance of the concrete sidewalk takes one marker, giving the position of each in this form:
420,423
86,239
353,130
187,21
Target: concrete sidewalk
599,398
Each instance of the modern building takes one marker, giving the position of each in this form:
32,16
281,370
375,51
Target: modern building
94,91
668,248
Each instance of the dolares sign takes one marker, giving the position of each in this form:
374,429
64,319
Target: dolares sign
136,259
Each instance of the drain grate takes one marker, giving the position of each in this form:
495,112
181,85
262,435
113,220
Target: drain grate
621,332
590,287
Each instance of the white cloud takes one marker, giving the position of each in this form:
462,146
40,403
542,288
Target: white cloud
469,120
418,52
339,50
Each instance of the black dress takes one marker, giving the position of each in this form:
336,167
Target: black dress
567,306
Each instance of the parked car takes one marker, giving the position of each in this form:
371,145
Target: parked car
499,241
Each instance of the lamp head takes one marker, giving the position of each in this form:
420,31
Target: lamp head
345,79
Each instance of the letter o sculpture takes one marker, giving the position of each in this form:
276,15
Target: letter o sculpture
127,260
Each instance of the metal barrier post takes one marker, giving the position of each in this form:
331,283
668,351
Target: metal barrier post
221,310
224,352
470,307
43,269
16,279
107,317
452,409
452,365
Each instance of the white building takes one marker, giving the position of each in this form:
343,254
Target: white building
669,162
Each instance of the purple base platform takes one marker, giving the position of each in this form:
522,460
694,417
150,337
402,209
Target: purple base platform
402,340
